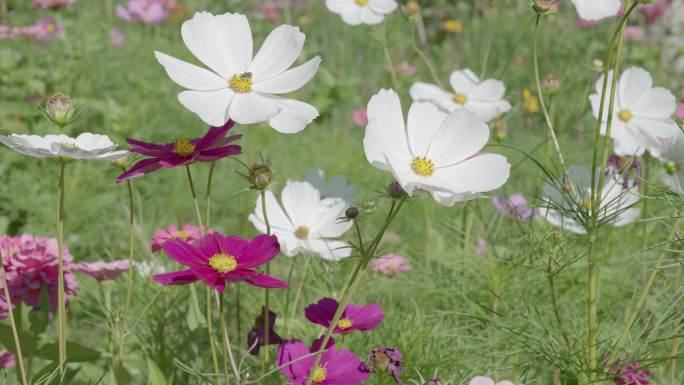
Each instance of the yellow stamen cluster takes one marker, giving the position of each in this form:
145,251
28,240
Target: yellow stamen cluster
453,26
69,145
302,232
460,98
362,2
181,234
320,374
625,115
344,324
183,147
422,166
223,263
241,83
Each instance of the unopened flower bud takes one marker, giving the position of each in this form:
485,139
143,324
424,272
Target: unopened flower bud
500,130
395,190
60,110
597,65
541,7
412,8
670,167
551,84
261,176
368,205
351,213
434,381
120,163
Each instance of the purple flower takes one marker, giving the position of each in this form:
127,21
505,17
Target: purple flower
255,337
360,117
631,374
7,359
188,233
212,146
216,259
387,359
337,367
354,317
515,206
101,270
6,31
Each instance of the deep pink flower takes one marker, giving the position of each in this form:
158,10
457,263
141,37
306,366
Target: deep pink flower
256,336
514,206
633,32
31,265
631,374
217,259
145,11
43,30
387,359
188,233
7,359
390,264
337,367
101,270
360,117
116,37
51,4
212,146
654,11
354,317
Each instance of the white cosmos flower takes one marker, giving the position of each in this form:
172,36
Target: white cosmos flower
85,146
305,223
433,151
482,98
237,86
336,187
642,115
355,12
616,201
597,9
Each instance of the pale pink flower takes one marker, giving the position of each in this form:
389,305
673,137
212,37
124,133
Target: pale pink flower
390,264
654,11
6,31
43,30
633,32
145,11
586,24
116,37
360,117
188,233
269,11
514,206
6,359
406,69
101,270
51,4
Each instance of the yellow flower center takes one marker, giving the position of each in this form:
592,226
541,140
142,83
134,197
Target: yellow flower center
453,26
362,2
241,83
422,166
320,373
184,147
460,98
69,145
344,324
50,28
302,232
223,263
587,204
180,234
625,115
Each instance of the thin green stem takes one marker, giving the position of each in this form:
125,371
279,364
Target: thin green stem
267,294
287,296
427,61
226,346
198,213
592,283
210,330
298,294
207,205
388,59
13,325
61,308
129,288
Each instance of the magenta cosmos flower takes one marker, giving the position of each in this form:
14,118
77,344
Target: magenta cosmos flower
387,359
514,206
7,359
390,265
188,233
631,374
217,259
212,146
101,270
337,367
354,317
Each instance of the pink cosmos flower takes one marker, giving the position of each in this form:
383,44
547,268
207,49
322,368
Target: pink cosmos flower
256,336
188,233
390,264
360,117
269,11
631,374
31,264
514,206
212,146
145,11
43,30
6,31
7,359
51,4
654,11
101,270
217,259
387,359
116,37
337,367
354,317
633,32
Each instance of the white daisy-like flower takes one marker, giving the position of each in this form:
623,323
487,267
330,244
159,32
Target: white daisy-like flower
616,201
597,9
433,151
483,98
305,223
336,187
238,86
355,12
673,157
86,146
642,115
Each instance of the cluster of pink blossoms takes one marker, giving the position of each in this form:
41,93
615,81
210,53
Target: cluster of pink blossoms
44,29
145,11
51,4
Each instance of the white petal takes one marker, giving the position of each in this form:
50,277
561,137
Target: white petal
114,155
460,137
448,200
486,111
422,127
464,81
656,128
204,38
368,16
330,223
189,75
290,80
596,9
386,132
340,6
555,218
633,85
430,92
352,16
31,145
293,115
280,49
329,249
481,381
481,173
383,6
95,143
277,218
301,201
252,107
656,103
210,106
236,46
489,90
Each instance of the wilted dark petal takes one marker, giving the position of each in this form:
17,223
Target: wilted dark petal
149,149
213,154
266,281
182,277
141,168
214,135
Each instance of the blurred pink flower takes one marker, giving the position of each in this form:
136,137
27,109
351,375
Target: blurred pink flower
586,24
188,233
145,11
269,11
360,117
31,264
654,11
101,270
481,247
116,37
633,32
51,4
680,110
6,359
390,265
406,69
514,206
6,31
43,30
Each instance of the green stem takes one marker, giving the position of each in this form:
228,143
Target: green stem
207,208
592,283
61,308
388,59
227,349
13,325
210,331
267,294
287,296
427,62
298,295
123,333
194,199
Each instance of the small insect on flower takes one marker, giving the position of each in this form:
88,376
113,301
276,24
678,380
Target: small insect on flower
354,317
355,12
238,86
218,259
